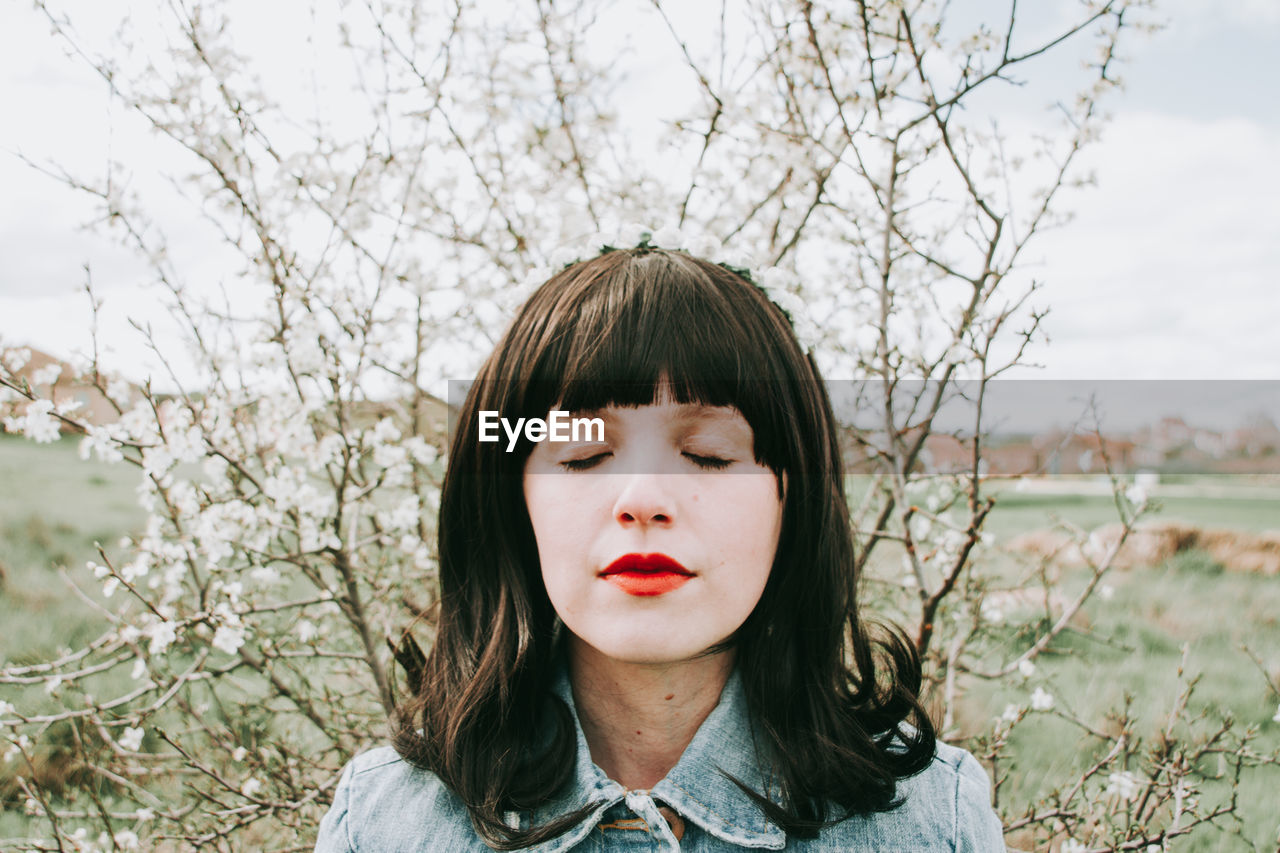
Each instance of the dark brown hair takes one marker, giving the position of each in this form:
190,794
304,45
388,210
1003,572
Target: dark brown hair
837,706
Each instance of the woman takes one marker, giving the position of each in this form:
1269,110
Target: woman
648,634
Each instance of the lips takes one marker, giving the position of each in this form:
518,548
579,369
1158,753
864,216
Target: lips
646,574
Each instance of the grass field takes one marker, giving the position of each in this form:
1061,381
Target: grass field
1131,644
54,507
1133,647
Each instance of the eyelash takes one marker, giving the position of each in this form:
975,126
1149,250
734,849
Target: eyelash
584,464
709,463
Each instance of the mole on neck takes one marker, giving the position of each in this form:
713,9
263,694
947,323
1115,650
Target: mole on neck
638,719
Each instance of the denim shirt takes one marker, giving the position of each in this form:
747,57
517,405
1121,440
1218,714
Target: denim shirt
383,804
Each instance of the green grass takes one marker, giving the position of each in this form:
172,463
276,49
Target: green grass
1018,513
1132,645
54,507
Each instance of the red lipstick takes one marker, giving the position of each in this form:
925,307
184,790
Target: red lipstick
646,574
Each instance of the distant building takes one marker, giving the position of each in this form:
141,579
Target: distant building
57,380
1258,436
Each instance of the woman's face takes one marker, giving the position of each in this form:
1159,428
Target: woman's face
656,543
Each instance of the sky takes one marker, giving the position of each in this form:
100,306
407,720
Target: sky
1168,270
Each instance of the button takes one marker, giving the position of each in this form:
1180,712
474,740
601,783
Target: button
673,820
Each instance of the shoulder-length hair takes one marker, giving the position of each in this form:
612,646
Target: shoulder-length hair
838,706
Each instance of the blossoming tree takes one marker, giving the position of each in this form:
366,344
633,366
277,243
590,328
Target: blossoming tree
379,224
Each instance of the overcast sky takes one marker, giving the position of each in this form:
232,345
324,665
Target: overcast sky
1169,270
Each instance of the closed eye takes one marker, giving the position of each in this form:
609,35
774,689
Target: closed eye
711,463
584,463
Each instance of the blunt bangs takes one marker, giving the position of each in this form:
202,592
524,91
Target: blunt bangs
631,326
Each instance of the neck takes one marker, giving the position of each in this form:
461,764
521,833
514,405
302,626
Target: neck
638,719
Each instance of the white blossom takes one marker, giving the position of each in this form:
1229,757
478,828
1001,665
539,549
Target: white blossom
16,359
389,455
405,516
1041,700
991,612
47,375
138,423
1026,668
18,746
306,630
629,234
162,635
228,638
420,451
668,237
324,451
305,353
119,390
138,567
38,424
251,787
127,839
705,246
562,257
215,467
1125,784
1072,846
68,407
156,461
265,575
131,739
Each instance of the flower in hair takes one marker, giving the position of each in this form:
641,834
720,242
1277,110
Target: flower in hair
779,285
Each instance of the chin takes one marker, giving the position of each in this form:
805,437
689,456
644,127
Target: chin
645,649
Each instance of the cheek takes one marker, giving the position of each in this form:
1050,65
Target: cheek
558,513
545,504
749,520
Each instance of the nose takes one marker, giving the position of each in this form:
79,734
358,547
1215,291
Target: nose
644,500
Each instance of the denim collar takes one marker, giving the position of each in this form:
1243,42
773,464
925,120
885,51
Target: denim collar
695,787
